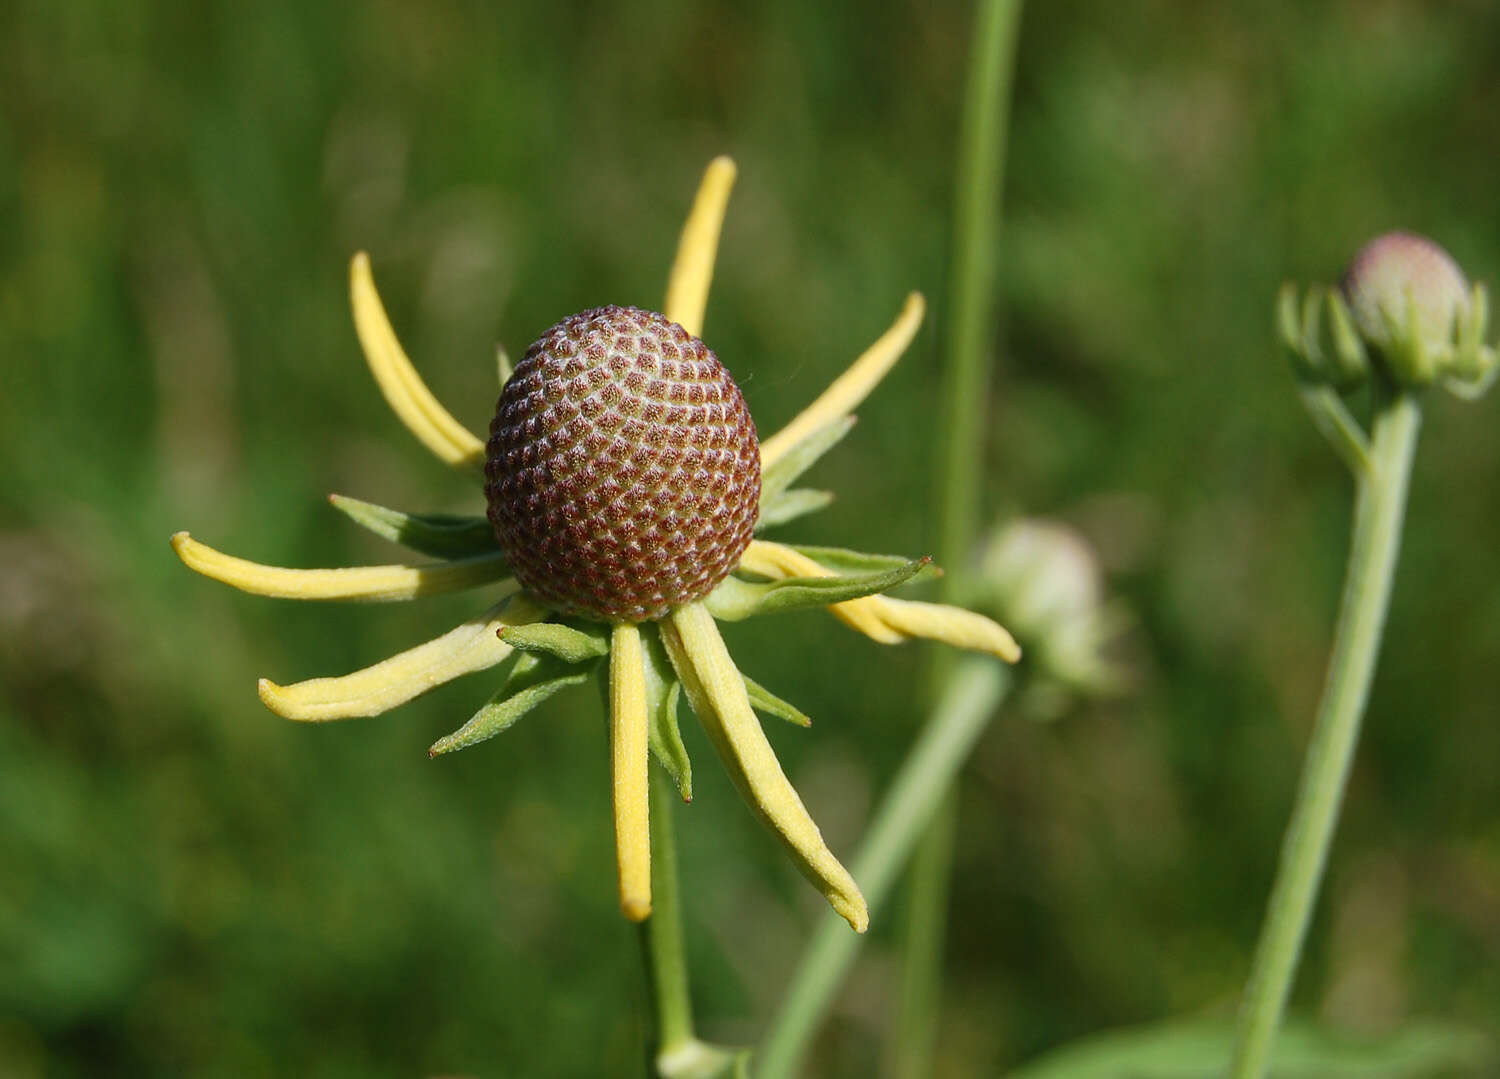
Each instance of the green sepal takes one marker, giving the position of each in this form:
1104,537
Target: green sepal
1350,363
443,535
845,562
788,505
735,599
571,644
768,704
533,678
663,691
503,367
802,456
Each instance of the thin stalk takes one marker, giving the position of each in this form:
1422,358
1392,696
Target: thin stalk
903,816
966,374
971,319
1380,507
924,932
661,934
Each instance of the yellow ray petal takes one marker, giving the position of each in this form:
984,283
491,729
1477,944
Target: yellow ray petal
629,757
716,690
380,584
951,625
693,269
473,646
887,620
853,386
403,388
777,561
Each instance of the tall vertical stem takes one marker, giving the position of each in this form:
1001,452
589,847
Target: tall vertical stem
966,374
1379,509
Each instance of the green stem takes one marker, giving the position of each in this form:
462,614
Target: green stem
966,374
925,777
971,322
1378,512
924,932
661,934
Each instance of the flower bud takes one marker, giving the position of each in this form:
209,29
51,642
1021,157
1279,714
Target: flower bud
1044,580
1409,299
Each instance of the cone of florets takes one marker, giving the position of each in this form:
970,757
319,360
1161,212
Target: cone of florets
623,471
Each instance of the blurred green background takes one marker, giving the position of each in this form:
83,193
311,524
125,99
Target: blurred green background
189,885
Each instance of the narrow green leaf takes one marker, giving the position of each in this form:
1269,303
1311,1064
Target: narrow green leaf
1193,1050
801,457
735,599
788,505
534,678
663,691
443,535
843,561
568,643
767,703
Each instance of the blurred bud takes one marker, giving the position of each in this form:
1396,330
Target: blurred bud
1402,285
1043,579
1411,303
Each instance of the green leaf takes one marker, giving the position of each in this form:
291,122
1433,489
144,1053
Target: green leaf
534,678
735,599
443,535
767,703
1193,1050
841,560
800,458
568,643
663,691
788,505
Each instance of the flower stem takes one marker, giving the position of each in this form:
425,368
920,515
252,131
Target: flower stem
970,331
902,817
661,934
971,322
1379,509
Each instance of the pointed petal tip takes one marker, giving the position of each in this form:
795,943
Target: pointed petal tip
635,908
274,697
853,910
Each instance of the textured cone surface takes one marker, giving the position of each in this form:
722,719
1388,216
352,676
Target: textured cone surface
623,471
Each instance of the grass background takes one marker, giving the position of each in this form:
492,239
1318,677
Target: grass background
189,885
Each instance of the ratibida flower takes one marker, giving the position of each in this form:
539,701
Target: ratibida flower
625,487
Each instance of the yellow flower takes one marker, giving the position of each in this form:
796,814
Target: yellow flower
650,664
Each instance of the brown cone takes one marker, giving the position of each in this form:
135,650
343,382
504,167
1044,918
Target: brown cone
623,471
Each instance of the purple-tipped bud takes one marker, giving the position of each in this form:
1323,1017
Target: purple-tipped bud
1405,292
623,471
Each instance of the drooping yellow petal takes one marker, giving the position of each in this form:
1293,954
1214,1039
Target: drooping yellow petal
884,619
950,625
378,584
716,690
473,646
853,386
693,269
404,390
629,757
